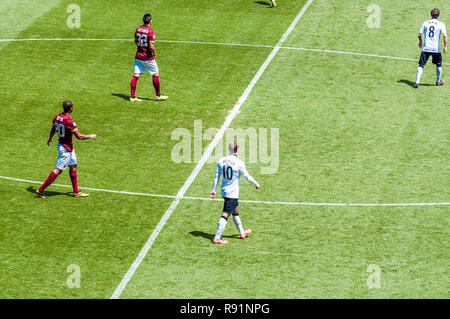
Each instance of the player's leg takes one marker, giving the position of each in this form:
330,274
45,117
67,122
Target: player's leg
422,61
138,70
152,68
50,179
226,211
73,175
133,84
74,180
273,4
61,164
220,229
237,221
437,59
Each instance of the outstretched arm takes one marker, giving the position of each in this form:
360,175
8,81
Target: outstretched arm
243,171
80,136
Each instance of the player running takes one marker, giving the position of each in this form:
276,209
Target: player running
231,168
65,127
431,30
144,37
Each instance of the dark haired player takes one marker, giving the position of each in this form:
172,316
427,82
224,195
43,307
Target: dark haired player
66,128
431,31
230,168
144,37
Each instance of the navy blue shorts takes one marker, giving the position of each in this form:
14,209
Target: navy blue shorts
437,58
230,204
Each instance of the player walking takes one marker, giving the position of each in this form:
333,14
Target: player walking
431,31
65,127
231,168
144,37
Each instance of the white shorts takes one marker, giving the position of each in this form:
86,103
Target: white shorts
141,66
65,158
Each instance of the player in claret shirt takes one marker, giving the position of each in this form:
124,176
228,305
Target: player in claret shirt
66,128
144,37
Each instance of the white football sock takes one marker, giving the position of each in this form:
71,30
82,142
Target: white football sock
438,73
221,227
419,74
238,223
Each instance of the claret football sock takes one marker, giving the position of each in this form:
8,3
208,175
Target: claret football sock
74,179
156,85
50,179
134,80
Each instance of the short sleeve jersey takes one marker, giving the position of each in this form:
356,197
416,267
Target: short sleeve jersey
65,127
142,37
432,30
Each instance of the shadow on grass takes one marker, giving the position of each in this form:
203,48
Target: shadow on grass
411,83
262,2
33,191
210,237
127,97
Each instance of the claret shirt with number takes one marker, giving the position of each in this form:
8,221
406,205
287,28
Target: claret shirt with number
142,37
65,127
231,168
432,30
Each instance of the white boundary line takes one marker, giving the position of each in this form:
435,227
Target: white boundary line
226,44
89,188
241,200
205,156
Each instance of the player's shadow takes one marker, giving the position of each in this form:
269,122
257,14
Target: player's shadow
48,193
127,97
210,237
262,2
411,83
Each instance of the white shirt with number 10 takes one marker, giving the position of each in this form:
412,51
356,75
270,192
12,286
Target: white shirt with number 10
231,168
432,30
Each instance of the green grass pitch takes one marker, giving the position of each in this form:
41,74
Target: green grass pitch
351,130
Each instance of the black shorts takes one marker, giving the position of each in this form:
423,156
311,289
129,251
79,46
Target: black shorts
437,58
230,204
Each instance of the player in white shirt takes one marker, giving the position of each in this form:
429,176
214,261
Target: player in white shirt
430,32
230,168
